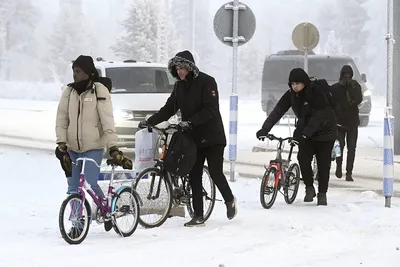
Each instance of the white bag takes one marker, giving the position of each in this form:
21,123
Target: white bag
145,149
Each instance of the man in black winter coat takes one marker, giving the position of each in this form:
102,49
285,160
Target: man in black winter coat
347,95
195,94
315,130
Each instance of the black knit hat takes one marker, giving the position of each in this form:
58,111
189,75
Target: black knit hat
298,75
87,65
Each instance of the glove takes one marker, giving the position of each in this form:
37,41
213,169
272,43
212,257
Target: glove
63,156
185,126
261,134
119,158
143,124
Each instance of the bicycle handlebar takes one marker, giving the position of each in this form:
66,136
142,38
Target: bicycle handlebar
162,130
108,162
279,139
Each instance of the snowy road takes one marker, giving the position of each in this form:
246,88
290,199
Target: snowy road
354,230
36,119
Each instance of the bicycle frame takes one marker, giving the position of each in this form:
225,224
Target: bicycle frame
83,184
278,163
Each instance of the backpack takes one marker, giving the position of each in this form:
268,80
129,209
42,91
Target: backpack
106,82
181,154
327,90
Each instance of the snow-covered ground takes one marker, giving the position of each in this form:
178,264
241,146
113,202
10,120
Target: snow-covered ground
354,230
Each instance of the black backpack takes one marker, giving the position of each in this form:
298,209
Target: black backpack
181,154
327,89
106,82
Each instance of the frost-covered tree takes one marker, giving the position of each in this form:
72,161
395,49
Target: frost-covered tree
180,11
71,36
347,18
333,45
167,41
17,43
149,33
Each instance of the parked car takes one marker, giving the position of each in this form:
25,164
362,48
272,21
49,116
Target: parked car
276,71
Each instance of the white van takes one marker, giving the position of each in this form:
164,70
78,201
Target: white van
139,89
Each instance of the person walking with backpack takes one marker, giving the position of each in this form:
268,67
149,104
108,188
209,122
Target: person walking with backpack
195,94
85,126
315,130
348,95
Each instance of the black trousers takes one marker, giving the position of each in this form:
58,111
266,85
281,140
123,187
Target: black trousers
350,135
322,151
215,160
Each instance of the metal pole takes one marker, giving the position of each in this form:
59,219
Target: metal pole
306,37
306,61
233,114
388,170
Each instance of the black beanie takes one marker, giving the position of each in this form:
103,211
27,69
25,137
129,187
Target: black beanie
298,75
87,65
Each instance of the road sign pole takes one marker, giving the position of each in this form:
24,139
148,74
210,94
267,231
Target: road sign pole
234,33
388,139
305,37
234,98
306,61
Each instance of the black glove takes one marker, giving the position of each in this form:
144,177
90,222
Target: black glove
261,134
298,136
119,158
185,126
143,124
65,161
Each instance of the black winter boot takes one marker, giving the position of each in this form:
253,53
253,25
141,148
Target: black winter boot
196,221
338,172
231,209
310,194
321,199
349,177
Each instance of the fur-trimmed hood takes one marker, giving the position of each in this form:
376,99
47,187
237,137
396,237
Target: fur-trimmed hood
184,58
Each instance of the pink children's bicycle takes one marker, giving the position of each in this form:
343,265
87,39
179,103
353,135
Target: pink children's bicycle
121,208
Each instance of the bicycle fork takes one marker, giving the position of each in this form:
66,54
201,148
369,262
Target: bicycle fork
150,195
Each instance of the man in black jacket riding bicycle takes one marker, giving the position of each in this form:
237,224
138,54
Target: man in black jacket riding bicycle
316,129
196,96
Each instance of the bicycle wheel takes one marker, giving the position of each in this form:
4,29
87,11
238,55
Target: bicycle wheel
292,183
208,195
269,187
79,216
155,191
125,206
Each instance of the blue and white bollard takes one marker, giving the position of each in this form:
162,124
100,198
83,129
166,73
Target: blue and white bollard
388,170
233,121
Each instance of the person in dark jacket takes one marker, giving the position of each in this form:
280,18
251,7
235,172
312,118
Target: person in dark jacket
316,129
347,95
195,94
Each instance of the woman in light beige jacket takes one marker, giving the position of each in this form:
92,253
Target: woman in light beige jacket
85,126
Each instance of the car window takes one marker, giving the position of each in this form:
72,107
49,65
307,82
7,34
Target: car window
277,71
136,80
329,68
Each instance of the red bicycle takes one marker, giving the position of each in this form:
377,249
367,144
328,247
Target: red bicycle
280,175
